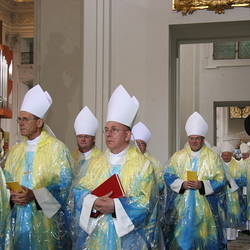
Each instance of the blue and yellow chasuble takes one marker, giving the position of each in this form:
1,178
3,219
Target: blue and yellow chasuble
50,167
141,204
195,221
80,166
235,215
5,218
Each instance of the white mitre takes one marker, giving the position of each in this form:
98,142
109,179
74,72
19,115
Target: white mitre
226,147
37,102
196,125
122,108
141,132
244,148
86,123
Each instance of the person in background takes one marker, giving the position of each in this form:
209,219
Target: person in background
42,165
247,174
245,164
86,126
129,222
245,151
235,215
194,201
142,135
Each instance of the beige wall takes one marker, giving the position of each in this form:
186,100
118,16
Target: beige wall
59,62
85,49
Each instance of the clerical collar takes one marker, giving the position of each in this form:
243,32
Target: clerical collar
115,158
122,153
227,163
87,154
195,154
31,144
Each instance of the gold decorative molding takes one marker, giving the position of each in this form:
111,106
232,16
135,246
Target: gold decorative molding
23,18
239,112
12,5
219,6
16,18
13,12
6,15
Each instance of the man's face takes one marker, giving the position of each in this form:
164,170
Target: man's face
196,142
29,125
142,145
117,136
85,142
245,156
226,156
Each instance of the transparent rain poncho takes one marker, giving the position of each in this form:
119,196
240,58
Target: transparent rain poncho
246,167
48,168
5,219
235,203
80,162
158,170
141,205
194,220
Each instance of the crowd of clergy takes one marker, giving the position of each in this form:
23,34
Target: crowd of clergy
198,199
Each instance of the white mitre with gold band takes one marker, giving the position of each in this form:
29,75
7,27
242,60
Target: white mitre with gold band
122,108
37,102
86,123
196,125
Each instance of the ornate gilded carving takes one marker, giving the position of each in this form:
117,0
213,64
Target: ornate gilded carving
219,6
23,19
17,13
239,112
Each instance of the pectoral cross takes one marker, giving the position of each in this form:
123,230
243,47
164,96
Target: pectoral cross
27,177
28,171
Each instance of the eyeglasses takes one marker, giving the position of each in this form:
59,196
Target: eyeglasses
84,136
141,143
195,138
113,131
24,119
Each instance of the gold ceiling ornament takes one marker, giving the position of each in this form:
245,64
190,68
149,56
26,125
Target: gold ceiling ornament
219,6
239,112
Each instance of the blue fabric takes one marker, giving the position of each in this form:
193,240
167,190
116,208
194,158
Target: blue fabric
48,167
141,204
189,218
195,221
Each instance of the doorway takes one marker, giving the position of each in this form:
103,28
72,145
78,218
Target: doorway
227,126
191,34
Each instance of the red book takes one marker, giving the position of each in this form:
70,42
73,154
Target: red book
114,184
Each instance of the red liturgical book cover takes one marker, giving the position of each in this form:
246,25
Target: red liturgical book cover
114,184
